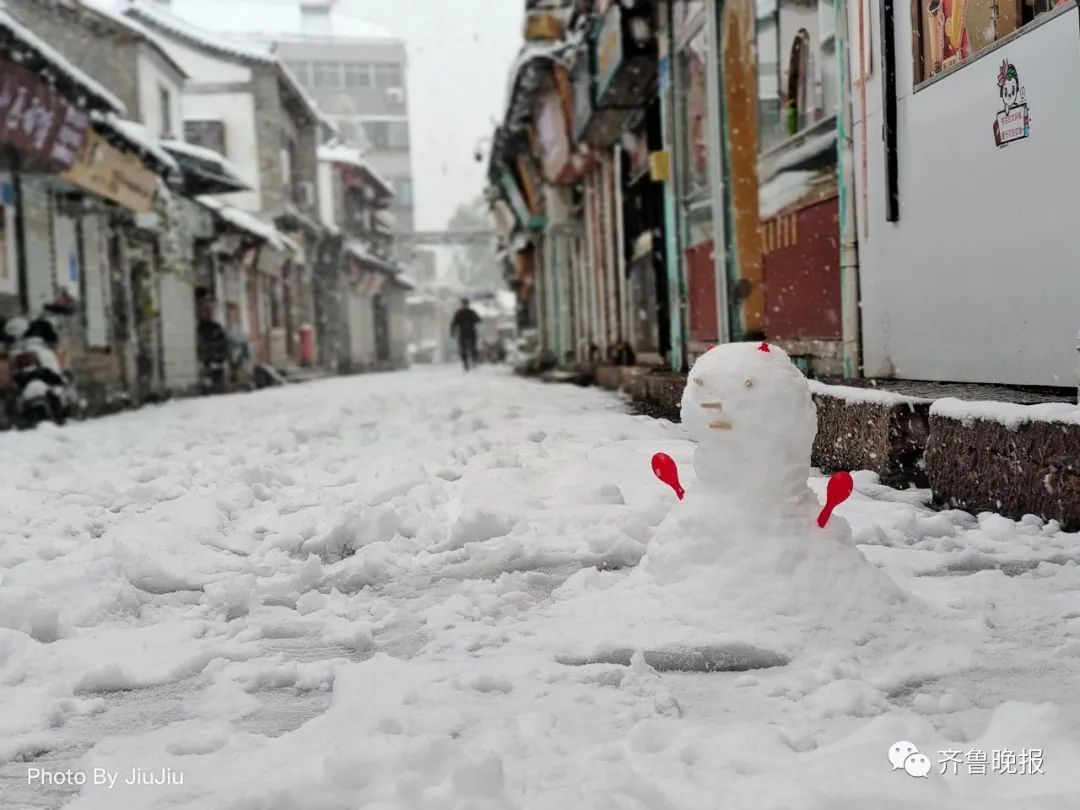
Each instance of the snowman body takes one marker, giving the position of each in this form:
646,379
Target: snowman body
745,545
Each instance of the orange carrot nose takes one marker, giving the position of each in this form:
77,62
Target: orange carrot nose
840,488
665,468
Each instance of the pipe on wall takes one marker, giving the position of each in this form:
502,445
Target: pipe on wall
850,321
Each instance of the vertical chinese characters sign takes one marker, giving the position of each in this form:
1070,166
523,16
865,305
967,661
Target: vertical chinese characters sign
37,120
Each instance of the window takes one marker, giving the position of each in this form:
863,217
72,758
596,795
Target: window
302,70
358,76
403,191
287,150
796,58
693,61
399,135
952,30
389,76
378,134
210,134
165,111
326,76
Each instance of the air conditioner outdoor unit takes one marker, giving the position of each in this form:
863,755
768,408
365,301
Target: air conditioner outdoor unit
396,94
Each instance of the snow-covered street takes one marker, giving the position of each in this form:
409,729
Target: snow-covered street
423,590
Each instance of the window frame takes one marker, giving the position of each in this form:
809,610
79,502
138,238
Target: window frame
166,112
394,70
320,69
918,66
358,69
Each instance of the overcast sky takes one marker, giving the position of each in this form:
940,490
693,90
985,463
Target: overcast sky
459,54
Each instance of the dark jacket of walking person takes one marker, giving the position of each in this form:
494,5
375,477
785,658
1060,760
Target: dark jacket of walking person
463,327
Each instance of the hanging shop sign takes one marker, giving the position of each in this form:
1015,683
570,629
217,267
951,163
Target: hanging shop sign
609,48
1013,121
624,48
517,202
581,80
114,175
37,120
554,140
543,26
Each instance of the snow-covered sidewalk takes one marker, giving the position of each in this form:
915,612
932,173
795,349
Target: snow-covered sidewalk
378,592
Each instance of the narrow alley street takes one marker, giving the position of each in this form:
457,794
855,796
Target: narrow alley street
373,592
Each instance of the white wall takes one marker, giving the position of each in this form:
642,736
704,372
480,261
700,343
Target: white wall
327,214
977,282
237,112
153,75
202,68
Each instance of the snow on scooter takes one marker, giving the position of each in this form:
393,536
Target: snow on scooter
42,389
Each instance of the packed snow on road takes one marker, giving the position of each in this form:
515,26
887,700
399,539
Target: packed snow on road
433,590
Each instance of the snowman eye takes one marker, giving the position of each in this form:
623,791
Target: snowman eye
749,384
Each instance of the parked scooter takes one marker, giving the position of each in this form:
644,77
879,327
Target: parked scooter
41,389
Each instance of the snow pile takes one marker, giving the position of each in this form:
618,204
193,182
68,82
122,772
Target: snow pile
864,396
432,590
1007,413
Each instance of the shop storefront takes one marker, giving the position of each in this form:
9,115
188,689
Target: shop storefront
966,207
798,104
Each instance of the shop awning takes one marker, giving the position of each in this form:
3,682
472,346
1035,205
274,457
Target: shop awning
343,155
134,137
204,170
359,251
293,218
246,223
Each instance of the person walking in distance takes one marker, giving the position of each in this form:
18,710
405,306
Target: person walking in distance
463,327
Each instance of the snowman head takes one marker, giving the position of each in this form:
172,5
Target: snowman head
750,411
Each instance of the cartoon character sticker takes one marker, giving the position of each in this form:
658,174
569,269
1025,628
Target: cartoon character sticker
1013,123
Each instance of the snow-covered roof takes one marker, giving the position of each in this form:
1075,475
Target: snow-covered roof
273,19
114,11
550,51
404,281
31,41
249,223
788,188
301,93
138,137
360,251
340,153
203,154
164,19
386,219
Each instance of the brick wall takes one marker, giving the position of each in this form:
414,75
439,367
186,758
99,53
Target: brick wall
93,43
268,117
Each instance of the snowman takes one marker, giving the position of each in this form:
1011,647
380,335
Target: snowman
746,545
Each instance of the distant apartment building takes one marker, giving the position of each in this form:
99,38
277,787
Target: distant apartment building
354,70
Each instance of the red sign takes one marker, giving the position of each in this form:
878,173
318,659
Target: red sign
37,120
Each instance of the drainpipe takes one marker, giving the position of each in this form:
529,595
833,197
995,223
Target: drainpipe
717,147
676,300
851,342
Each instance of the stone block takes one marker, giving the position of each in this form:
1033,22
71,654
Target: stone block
861,429
1011,465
